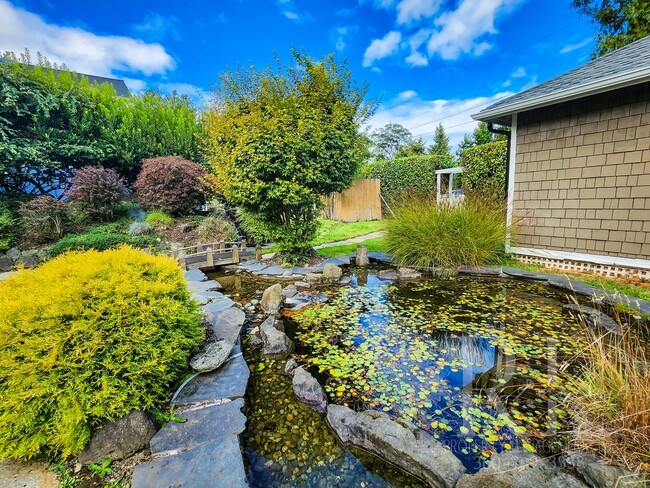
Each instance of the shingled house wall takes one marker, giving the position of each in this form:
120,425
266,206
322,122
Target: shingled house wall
582,175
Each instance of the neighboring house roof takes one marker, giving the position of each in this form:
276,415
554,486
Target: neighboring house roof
629,65
119,85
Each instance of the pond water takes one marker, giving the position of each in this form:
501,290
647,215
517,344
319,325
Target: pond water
481,364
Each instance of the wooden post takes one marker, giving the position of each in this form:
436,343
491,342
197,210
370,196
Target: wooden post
182,262
243,246
235,253
258,253
210,257
222,245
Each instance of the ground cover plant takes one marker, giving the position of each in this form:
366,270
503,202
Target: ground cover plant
88,337
158,219
477,363
424,233
101,237
282,138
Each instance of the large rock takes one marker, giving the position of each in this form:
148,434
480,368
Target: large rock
27,474
211,357
195,275
227,323
289,291
289,367
593,318
308,390
387,274
119,439
362,255
596,473
201,286
331,272
229,381
272,299
408,274
6,264
519,469
313,277
276,343
139,229
13,253
28,260
398,442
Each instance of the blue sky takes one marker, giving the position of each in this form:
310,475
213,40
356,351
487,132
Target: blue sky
427,61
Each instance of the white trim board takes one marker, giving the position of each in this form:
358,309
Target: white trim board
589,258
511,177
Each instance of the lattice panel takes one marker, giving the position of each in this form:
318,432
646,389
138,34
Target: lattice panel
601,269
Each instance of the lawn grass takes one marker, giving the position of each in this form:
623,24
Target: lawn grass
633,287
374,245
332,230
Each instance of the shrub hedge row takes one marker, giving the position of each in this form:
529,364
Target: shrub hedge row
416,174
485,169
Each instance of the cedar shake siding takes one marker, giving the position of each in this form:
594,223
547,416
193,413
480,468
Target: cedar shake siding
582,175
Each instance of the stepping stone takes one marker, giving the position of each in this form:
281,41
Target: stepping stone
195,275
202,426
218,464
480,271
229,381
299,270
227,324
200,286
335,261
531,275
382,257
212,309
274,271
205,297
255,267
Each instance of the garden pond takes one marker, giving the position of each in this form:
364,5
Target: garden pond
482,364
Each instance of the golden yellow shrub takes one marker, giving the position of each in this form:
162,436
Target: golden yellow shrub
87,337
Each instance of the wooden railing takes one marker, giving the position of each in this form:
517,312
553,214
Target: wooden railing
209,255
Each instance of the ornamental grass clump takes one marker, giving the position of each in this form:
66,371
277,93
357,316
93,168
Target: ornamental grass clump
611,401
424,234
85,338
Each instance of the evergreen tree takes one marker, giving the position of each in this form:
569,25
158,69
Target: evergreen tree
440,144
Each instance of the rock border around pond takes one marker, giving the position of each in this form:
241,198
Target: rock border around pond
205,450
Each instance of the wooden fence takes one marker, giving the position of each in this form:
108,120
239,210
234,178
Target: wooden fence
359,202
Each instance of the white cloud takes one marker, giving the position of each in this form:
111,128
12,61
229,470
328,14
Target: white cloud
417,59
458,31
413,10
574,47
519,72
79,49
156,27
381,48
422,116
291,15
135,85
199,96
339,35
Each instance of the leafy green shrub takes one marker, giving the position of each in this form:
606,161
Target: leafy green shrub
282,138
215,227
100,238
44,218
484,169
424,234
7,228
398,177
88,337
253,227
96,191
158,219
170,184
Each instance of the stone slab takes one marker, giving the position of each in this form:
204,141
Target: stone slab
381,257
531,275
229,381
255,266
576,287
299,270
480,271
218,464
274,271
199,286
335,261
212,309
202,426
205,297
227,324
30,474
195,275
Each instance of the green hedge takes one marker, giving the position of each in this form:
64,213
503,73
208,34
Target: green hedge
416,174
100,238
484,169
